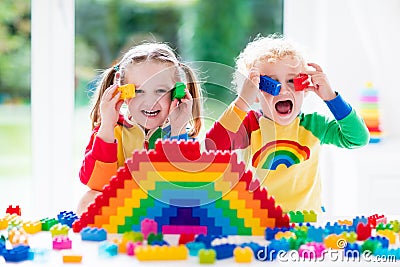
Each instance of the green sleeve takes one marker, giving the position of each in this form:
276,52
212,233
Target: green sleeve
349,132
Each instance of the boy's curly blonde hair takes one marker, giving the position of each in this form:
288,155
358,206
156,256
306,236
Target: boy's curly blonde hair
269,49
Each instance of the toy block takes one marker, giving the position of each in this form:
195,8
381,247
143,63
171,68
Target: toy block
310,216
389,234
207,256
67,217
382,226
243,255
311,250
127,91
2,243
32,227
333,229
72,258
159,253
93,234
394,223
350,237
186,238
361,219
16,254
159,243
316,234
287,235
363,231
381,239
3,223
345,222
375,219
77,226
133,236
271,232
148,226
295,243
130,247
205,239
108,249
370,245
224,251
13,210
178,91
301,82
154,238
62,242
59,229
334,241
296,216
17,236
47,223
269,85
194,247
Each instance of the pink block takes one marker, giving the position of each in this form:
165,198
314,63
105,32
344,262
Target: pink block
130,247
184,229
148,226
369,99
62,242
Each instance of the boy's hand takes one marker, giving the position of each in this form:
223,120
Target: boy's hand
319,83
180,113
249,91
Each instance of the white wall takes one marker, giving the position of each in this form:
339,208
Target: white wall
354,41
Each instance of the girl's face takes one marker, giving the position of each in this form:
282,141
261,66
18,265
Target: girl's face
153,82
285,107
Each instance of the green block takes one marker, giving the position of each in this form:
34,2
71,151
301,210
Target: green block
179,91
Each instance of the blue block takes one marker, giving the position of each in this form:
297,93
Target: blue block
16,254
194,247
93,234
316,234
224,251
67,218
269,85
108,249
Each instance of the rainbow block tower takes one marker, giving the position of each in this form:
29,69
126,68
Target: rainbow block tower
369,110
184,191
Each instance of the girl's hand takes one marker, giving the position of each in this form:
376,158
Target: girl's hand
180,113
249,91
109,113
319,83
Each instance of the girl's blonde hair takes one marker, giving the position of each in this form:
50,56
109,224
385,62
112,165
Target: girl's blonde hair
157,52
269,49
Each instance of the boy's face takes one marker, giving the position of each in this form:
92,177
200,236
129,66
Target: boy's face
285,107
153,82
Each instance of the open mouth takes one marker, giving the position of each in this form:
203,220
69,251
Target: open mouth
284,107
150,113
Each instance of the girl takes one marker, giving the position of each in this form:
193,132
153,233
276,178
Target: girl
153,69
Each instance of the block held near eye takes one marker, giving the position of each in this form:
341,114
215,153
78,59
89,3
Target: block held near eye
127,91
269,85
178,91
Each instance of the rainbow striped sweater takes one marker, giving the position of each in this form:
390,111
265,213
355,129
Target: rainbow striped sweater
102,159
285,158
